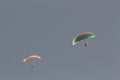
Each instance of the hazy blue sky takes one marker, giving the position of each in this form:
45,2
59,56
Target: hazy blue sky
47,27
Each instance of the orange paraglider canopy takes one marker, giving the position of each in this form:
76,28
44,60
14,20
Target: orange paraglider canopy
31,57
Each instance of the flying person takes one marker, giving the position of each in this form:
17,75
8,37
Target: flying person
83,36
31,57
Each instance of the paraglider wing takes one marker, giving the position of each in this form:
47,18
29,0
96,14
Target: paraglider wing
31,57
82,36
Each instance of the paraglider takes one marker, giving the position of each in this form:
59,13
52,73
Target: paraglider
86,44
82,37
31,57
31,66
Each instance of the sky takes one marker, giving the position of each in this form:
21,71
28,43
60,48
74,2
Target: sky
47,27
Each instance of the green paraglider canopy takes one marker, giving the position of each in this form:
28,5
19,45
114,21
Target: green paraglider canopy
82,36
